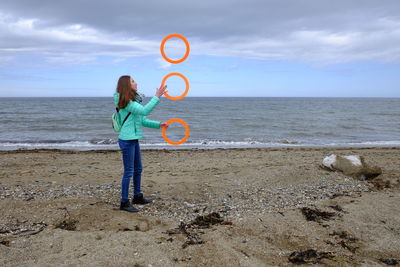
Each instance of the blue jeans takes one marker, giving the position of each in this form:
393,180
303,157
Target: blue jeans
132,167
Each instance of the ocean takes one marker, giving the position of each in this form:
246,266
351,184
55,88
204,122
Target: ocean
215,122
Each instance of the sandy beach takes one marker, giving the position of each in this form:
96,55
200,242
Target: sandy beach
221,207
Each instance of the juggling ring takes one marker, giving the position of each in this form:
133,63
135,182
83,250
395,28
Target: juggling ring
163,44
187,132
186,82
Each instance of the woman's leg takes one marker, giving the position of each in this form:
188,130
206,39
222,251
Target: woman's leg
127,149
137,174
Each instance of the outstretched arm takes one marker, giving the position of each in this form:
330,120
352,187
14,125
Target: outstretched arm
150,123
137,108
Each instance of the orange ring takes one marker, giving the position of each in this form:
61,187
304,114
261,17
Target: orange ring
186,89
187,132
163,44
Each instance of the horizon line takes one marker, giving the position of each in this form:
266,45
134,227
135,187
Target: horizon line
209,96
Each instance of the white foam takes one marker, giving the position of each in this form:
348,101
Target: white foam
200,144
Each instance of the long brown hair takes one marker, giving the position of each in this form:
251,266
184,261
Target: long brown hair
125,90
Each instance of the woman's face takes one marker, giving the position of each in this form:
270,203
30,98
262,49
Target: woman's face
134,85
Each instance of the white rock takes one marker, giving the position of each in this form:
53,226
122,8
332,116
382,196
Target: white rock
355,159
188,205
351,165
329,161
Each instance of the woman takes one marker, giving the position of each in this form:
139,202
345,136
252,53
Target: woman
128,100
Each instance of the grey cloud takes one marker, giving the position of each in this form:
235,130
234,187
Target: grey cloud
206,19
304,30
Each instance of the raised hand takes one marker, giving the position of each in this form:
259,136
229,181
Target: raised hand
160,91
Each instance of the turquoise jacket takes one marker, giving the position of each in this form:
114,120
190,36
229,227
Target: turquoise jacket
132,128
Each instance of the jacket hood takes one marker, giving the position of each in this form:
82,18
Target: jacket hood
139,98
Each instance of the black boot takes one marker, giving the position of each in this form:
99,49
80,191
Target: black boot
139,199
127,207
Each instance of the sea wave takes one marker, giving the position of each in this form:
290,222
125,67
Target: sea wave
111,144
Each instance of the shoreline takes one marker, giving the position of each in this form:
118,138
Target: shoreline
205,145
42,150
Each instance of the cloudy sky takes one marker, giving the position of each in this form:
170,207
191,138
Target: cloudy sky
238,48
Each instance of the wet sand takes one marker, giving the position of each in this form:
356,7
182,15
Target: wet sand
258,194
